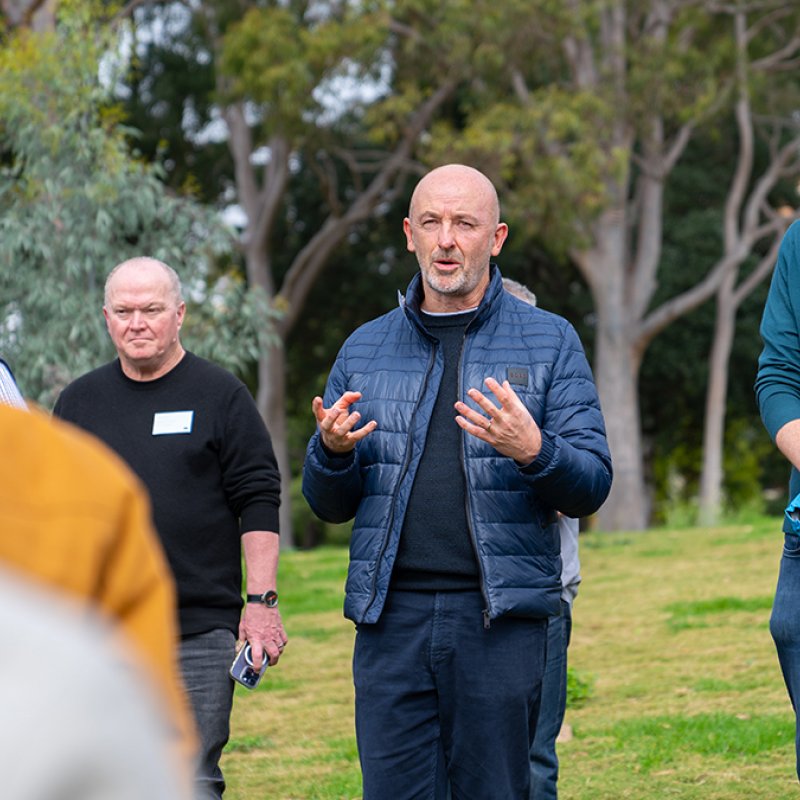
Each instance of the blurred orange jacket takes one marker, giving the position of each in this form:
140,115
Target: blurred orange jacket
75,517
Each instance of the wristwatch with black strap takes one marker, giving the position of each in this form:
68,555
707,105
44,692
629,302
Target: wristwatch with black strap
268,598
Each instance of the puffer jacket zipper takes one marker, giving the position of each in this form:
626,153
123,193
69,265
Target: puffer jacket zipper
403,471
470,528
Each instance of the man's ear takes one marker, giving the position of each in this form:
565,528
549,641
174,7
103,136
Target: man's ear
409,241
500,234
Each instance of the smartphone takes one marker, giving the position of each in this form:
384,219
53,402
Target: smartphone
243,671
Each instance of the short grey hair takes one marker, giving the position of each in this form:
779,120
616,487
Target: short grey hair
519,290
174,279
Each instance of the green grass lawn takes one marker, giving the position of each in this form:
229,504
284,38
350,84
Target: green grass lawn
670,631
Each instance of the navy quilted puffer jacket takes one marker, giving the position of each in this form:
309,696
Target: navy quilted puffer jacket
397,367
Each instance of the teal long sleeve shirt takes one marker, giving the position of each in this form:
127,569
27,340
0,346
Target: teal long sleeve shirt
778,381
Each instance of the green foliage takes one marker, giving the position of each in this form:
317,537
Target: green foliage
678,357
74,202
460,44
279,58
546,155
683,74
746,450
561,151
551,153
580,687
233,323
170,100
676,475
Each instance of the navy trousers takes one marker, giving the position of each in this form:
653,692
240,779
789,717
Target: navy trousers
784,625
439,696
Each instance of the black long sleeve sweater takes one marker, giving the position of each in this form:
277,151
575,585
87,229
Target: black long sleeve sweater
197,441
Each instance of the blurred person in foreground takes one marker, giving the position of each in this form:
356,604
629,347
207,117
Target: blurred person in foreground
74,519
454,556
193,434
778,393
79,721
544,759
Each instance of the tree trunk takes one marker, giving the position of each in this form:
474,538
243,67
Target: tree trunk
616,369
270,402
38,15
616,373
716,395
729,298
262,203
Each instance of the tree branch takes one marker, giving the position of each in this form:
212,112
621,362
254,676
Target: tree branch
578,49
765,266
310,261
744,124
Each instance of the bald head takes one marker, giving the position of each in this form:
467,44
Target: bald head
144,312
145,267
453,227
457,180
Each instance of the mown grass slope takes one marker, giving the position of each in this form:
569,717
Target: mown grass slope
670,629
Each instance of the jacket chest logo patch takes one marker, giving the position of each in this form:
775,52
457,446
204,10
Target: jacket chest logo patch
518,376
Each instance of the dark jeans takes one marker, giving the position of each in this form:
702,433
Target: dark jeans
784,625
205,660
544,761
438,696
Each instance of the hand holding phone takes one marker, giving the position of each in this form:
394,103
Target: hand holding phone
242,669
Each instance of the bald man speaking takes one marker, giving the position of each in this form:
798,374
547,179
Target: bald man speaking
452,430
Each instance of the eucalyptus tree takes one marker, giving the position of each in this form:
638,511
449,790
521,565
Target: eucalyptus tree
74,201
584,140
767,47
341,91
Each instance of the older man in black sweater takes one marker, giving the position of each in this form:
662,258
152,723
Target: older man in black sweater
192,433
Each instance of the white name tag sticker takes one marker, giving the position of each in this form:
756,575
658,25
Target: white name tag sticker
168,422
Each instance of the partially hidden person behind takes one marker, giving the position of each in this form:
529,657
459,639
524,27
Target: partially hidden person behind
453,429
193,434
75,527
778,394
10,394
544,758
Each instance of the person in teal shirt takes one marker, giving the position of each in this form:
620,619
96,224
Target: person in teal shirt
778,394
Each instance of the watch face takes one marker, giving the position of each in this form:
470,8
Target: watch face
270,599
